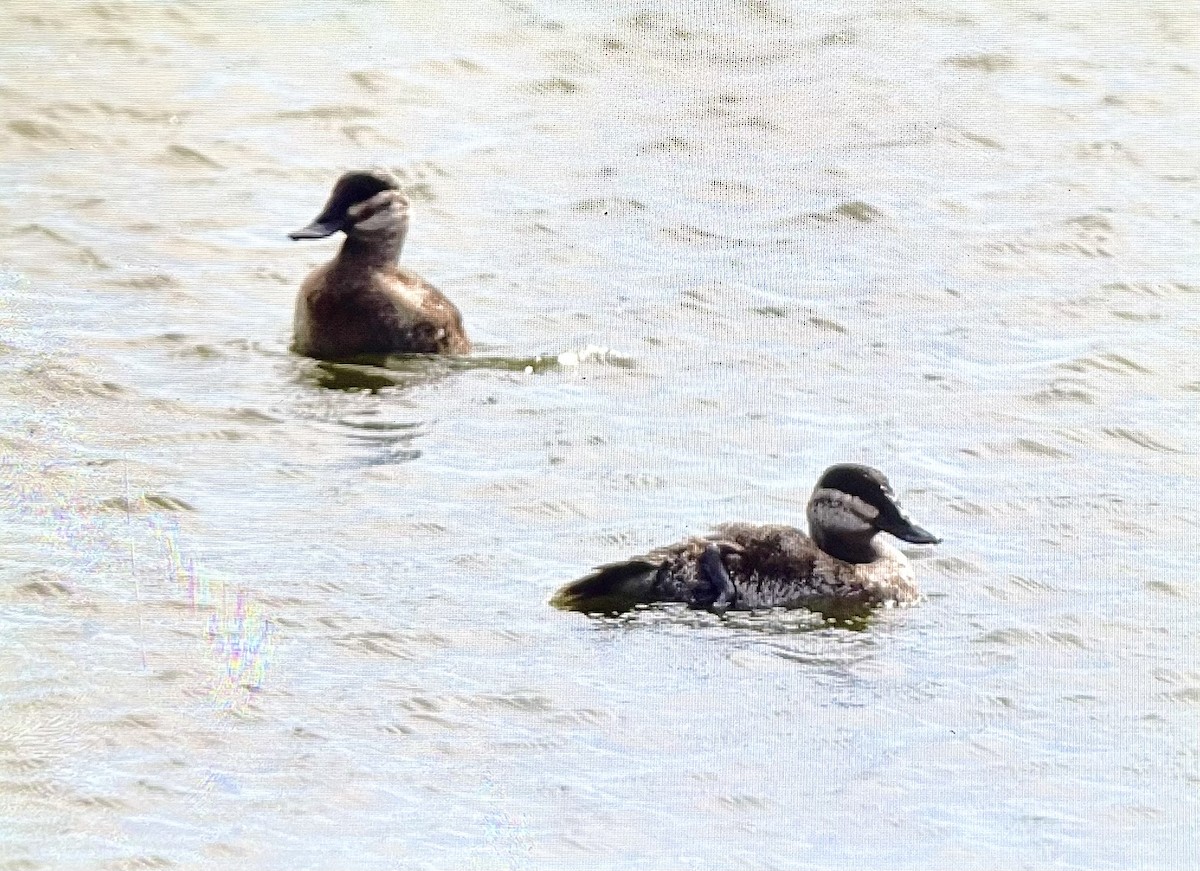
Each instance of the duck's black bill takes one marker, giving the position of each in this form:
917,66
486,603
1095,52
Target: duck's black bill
906,530
318,229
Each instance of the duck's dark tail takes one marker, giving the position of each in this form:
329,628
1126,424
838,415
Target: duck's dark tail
611,588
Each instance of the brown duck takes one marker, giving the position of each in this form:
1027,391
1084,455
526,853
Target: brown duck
363,302
742,566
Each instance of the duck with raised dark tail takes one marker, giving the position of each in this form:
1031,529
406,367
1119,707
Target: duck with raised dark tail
840,564
363,302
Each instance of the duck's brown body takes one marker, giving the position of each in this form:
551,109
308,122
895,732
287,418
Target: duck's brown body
770,567
780,566
363,302
346,309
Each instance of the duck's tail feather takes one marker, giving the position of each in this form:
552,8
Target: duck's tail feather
611,588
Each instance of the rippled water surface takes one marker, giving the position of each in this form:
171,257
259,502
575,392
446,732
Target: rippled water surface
261,612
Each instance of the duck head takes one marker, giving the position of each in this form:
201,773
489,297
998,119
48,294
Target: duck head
363,205
850,505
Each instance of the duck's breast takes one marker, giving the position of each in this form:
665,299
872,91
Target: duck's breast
340,315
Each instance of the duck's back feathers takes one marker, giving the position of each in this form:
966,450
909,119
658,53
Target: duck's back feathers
780,566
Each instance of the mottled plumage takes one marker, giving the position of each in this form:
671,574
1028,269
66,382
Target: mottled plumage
745,566
362,301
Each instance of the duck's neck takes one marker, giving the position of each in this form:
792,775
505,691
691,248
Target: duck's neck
848,548
375,250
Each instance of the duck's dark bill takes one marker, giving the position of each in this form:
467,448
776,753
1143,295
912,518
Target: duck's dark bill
906,530
317,230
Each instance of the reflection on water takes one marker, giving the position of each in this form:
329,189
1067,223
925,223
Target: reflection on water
372,373
749,624
261,610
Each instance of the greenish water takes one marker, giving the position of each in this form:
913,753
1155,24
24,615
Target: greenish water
258,611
